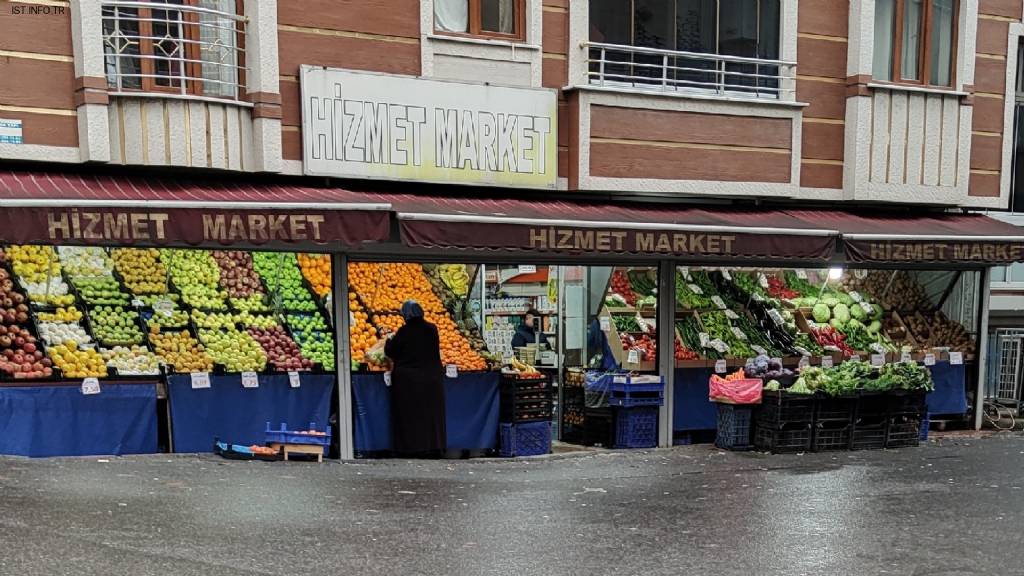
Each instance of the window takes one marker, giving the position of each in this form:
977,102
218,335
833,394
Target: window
487,18
742,28
915,41
196,49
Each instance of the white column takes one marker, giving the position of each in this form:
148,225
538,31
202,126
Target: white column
342,358
87,43
666,346
979,393
262,76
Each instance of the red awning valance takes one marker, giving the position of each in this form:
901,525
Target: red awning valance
86,209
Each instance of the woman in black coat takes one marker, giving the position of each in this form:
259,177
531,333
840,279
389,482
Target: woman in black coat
417,386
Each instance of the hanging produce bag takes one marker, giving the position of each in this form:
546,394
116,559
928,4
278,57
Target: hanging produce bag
735,388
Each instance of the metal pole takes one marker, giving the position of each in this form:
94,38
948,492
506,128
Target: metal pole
342,355
979,393
666,346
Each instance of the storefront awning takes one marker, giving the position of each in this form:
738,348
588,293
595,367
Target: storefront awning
944,238
51,207
563,227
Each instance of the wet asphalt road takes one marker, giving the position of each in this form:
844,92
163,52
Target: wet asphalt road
955,506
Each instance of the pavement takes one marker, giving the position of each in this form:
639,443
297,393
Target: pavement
952,507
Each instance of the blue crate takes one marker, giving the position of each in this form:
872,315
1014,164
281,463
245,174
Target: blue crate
625,390
734,427
285,436
636,427
526,439
926,423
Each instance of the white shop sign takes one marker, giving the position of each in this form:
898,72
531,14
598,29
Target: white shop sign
384,126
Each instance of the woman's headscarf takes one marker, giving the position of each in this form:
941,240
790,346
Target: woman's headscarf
411,309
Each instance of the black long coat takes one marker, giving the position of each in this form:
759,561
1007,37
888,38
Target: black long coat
417,389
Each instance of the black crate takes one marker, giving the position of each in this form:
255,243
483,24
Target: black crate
734,426
873,406
835,410
869,433
785,439
526,400
903,432
778,409
831,436
599,427
907,404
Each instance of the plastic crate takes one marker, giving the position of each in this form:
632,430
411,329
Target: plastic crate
636,427
285,436
869,433
831,436
734,427
908,404
530,439
903,432
872,406
628,391
778,409
599,427
787,439
835,410
926,423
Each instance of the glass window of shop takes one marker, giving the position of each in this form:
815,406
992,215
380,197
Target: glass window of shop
81,312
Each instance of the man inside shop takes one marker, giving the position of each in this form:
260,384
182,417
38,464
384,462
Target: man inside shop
526,333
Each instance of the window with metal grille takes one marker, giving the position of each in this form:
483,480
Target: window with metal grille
186,47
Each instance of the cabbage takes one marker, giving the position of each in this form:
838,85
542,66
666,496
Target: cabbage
858,313
841,312
821,313
875,327
836,323
830,302
854,324
846,299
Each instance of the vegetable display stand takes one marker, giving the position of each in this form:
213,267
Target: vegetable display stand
778,409
299,442
833,435
528,439
636,427
835,410
734,427
526,400
788,438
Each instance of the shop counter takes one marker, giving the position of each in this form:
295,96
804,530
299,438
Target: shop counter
691,409
950,395
239,415
471,411
56,419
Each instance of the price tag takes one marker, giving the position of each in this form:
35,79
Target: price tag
726,275
906,358
387,378
801,351
720,346
760,351
527,269
877,359
855,358
695,289
250,380
138,303
685,271
200,380
878,348
856,296
826,361
705,339
90,386
867,308
720,367
351,318
762,280
633,357
801,274
164,306
731,315
929,359
718,302
804,362
956,358
776,317
293,379
738,333
451,371
606,324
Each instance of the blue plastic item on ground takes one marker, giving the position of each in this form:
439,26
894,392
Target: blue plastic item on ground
925,424
636,427
526,439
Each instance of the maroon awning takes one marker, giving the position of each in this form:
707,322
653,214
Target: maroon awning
565,227
937,238
52,207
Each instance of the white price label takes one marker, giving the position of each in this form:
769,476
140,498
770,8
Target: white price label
760,351
138,303
351,318
633,357
718,302
527,269
200,380
878,348
164,306
762,280
877,359
855,358
804,362
867,308
929,359
90,386
705,339
606,323
387,378
956,358
720,346
856,296
250,380
451,371
826,361
720,367
801,274
906,358
695,289
726,274
731,315
776,317
293,379
738,333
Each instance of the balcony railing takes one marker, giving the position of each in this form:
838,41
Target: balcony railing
187,49
672,70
